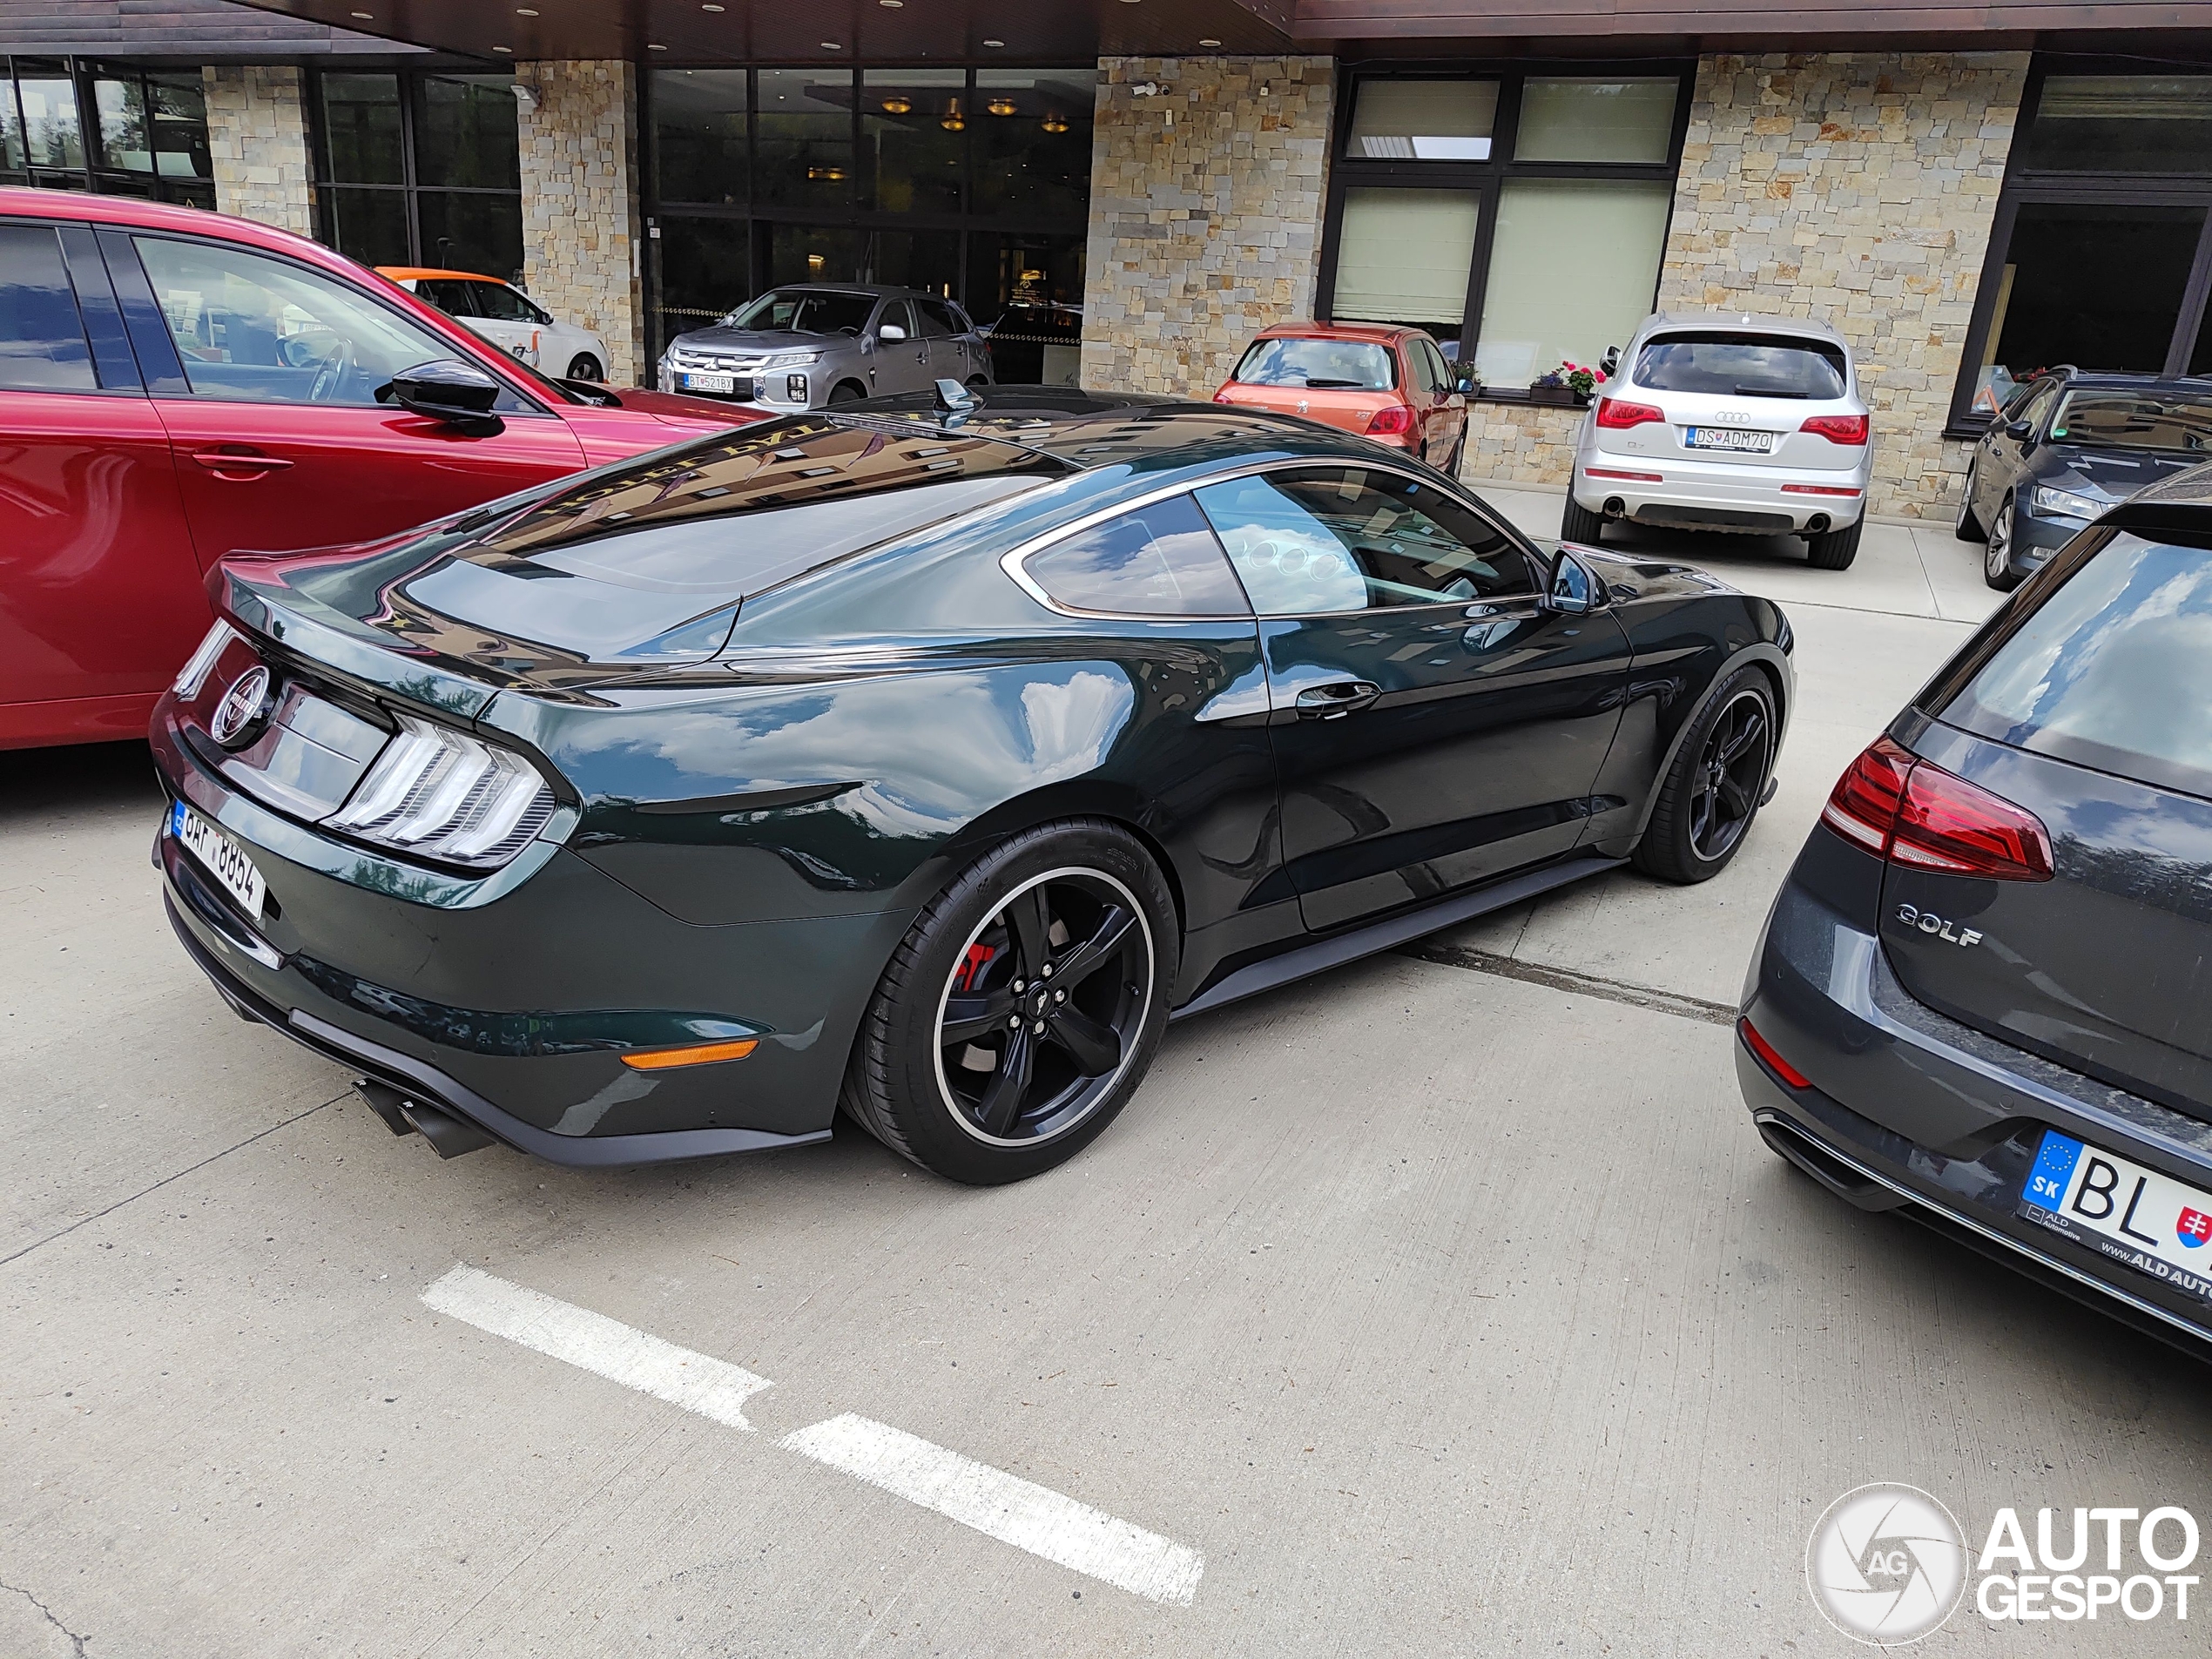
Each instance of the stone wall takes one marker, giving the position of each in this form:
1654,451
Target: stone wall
1206,201
1531,443
256,142
580,215
1858,188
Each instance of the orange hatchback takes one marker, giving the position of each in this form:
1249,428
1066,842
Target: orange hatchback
1389,384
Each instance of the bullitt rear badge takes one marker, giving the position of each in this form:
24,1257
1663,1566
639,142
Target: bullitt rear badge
242,705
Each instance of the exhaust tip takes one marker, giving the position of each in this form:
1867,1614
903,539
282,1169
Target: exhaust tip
1615,507
1824,1167
1816,525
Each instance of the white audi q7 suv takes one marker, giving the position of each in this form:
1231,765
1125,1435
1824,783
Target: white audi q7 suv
1751,424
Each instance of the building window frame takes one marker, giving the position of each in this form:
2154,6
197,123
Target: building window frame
2027,186
96,174
1488,179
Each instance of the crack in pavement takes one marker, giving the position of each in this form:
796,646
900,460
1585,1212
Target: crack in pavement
1565,979
84,1221
76,1642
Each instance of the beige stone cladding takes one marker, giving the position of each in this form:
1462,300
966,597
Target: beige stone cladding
578,133
1206,201
1530,443
1858,188
257,144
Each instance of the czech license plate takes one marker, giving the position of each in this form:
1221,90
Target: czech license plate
221,857
2153,1223
1729,437
722,383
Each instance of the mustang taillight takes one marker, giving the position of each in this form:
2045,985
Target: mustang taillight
1837,428
442,795
1617,414
1898,807
1391,419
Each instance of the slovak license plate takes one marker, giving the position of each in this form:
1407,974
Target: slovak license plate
2153,1223
722,383
1729,437
220,856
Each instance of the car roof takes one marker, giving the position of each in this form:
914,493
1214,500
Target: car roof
863,290
2113,380
1311,328
20,201
412,273
1743,322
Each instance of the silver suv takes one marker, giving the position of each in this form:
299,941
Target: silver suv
1752,424
801,348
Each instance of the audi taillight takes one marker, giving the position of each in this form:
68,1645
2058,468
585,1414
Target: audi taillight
1617,414
1837,428
1389,421
1898,807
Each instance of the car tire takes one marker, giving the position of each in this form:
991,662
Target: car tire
585,366
847,392
1452,463
1711,794
977,380
1968,528
1997,558
1578,523
1834,550
1084,891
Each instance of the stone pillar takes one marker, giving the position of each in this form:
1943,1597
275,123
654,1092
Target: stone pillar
1206,201
256,142
1858,188
581,246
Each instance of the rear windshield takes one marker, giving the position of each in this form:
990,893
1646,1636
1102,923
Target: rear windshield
1319,365
1749,365
2112,670
2166,422
805,311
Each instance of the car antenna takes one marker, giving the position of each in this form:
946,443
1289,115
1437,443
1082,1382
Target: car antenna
956,401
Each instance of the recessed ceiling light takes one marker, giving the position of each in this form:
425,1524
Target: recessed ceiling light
1209,42
654,46
526,11
503,49
366,17
994,42
831,46
891,6
710,8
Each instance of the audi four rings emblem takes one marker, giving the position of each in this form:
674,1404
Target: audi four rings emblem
241,705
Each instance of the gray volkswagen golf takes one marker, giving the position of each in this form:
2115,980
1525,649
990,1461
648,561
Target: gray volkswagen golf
804,347
1981,993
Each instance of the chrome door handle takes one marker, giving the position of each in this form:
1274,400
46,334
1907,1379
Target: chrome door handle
221,461
1336,699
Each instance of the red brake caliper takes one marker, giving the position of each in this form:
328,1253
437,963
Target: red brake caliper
972,966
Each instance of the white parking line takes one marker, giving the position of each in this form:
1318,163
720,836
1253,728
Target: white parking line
1002,1506
714,1388
1005,1506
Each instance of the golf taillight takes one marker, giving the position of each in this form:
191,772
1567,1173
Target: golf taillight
1837,428
1900,808
1390,419
1617,414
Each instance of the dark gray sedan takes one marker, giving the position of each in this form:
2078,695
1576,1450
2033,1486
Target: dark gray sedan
2067,446
804,347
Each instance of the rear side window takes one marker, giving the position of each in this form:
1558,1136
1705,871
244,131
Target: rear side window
2112,670
1159,560
1745,365
42,339
1321,365
455,298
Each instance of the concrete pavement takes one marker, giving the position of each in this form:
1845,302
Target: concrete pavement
1438,1310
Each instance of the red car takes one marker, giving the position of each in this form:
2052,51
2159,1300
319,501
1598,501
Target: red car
177,384
1383,382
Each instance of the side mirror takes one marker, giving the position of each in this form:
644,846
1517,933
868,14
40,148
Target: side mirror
1611,362
2021,431
1465,385
889,332
447,389
1572,590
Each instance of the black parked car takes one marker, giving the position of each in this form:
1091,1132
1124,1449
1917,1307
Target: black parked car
923,759
2067,446
1983,991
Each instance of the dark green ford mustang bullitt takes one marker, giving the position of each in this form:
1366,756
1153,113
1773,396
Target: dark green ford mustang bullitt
920,760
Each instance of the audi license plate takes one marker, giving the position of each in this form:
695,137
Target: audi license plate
221,857
1729,437
2153,1223
725,384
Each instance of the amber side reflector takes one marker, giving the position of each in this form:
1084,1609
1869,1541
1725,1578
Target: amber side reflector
701,1054
1775,1062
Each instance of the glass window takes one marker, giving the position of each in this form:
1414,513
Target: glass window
2112,669
1336,365
51,128
896,313
703,271
465,132
120,105
496,302
1029,136
11,150
1354,538
367,225
2122,124
1160,560
937,319
699,134
2164,422
470,230
263,331
1586,119
1546,304
1403,256
928,259
1719,364
914,126
2096,284
1394,120
815,253
805,311
178,103
450,294
361,128
41,341
804,131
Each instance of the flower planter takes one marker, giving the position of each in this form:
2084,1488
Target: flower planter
1557,396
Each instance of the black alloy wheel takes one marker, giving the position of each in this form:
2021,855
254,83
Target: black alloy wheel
1042,1008
1967,526
1716,784
586,368
1997,558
